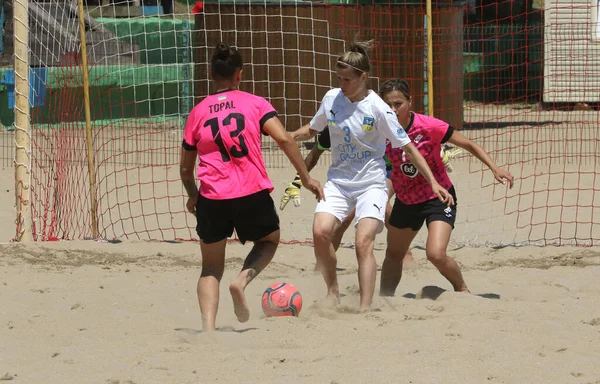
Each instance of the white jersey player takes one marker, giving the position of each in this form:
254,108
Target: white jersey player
360,123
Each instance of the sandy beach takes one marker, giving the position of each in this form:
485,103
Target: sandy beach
114,313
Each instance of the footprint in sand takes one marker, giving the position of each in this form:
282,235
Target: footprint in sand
7,376
433,292
593,322
435,308
430,292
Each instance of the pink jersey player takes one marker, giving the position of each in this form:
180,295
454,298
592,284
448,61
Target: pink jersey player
223,132
416,204
225,128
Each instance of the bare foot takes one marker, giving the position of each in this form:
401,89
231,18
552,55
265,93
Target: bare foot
240,308
409,263
331,300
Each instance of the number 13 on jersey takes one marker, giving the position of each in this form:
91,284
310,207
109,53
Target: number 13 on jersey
215,128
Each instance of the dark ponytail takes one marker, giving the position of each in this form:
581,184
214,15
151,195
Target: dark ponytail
226,61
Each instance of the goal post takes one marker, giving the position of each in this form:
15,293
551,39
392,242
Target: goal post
22,138
89,139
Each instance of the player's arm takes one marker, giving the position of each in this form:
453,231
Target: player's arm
317,124
187,163
187,160
304,133
312,158
499,174
274,128
421,164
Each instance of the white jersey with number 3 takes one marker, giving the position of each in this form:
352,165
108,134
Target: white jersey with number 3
359,132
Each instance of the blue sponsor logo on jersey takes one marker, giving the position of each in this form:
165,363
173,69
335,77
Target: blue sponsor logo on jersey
400,132
352,153
367,125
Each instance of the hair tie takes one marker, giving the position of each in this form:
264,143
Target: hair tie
351,66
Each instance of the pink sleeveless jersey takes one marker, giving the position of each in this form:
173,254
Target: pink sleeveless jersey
226,130
427,134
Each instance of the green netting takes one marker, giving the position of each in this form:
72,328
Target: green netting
116,92
119,75
160,40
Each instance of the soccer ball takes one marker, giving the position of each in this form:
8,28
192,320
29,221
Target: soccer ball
281,299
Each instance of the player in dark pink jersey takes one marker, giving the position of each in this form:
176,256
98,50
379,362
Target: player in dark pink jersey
224,132
415,201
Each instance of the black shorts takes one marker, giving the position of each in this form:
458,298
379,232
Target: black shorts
412,216
253,217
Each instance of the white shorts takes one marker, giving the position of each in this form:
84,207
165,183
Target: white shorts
340,202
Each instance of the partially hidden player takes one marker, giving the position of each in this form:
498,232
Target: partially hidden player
416,203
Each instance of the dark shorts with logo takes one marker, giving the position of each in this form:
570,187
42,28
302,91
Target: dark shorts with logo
253,217
413,216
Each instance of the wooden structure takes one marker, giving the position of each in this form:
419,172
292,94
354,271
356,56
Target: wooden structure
571,51
291,51
54,37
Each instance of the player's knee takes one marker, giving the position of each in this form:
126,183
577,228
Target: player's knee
322,235
436,256
272,238
213,270
394,254
364,243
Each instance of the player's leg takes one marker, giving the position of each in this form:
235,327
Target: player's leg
403,225
437,245
370,216
440,223
328,215
409,261
398,248
337,236
341,229
324,225
391,193
213,264
255,220
214,226
259,257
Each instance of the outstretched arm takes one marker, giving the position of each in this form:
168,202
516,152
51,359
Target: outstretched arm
499,174
312,158
304,133
275,129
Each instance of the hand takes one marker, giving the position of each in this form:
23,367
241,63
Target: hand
315,187
191,204
292,193
442,194
447,155
503,176
295,136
